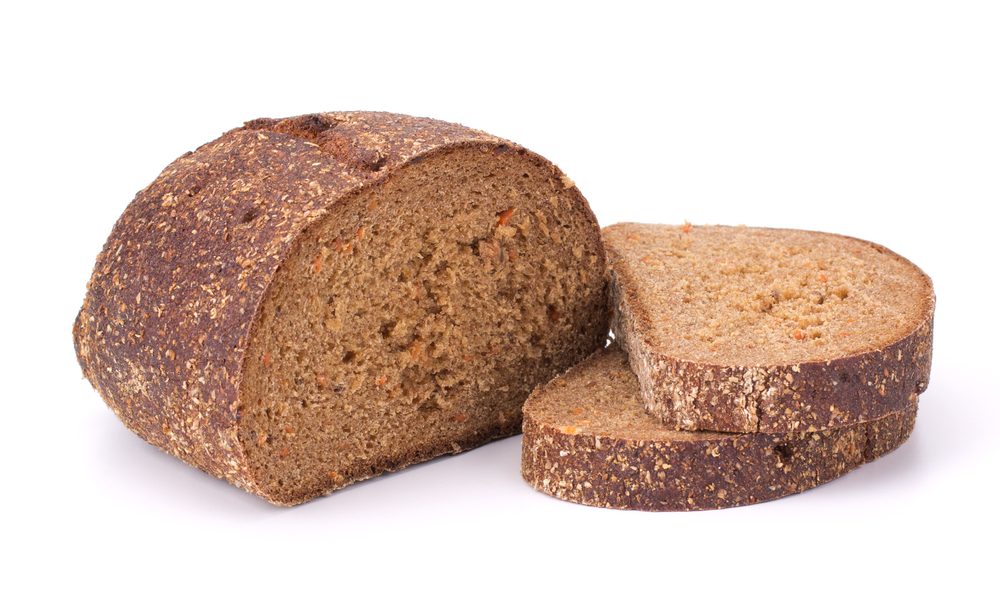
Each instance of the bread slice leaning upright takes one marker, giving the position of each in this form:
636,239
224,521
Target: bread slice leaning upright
307,302
588,439
746,329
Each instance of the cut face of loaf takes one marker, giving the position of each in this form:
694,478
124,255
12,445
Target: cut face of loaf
588,439
743,329
309,302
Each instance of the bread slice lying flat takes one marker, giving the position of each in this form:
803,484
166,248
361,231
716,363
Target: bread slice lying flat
588,439
742,329
307,302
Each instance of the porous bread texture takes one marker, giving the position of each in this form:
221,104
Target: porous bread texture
391,338
588,439
744,329
308,302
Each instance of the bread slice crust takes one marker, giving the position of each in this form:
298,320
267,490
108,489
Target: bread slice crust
588,439
176,312
803,380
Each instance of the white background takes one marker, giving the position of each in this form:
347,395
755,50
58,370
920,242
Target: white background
879,120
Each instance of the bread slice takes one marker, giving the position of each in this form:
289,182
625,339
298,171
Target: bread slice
588,439
307,302
743,329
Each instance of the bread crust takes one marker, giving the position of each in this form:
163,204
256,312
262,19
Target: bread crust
768,397
173,301
639,467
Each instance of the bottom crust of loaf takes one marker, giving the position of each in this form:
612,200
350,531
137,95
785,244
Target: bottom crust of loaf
587,439
473,438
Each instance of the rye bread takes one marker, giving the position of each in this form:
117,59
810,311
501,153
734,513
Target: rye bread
307,302
588,439
745,329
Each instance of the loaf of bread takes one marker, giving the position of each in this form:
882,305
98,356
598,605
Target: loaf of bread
588,439
307,302
743,329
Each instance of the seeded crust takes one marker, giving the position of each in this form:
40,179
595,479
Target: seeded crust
588,439
307,302
741,329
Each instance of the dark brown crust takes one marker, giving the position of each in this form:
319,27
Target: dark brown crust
695,471
784,397
174,297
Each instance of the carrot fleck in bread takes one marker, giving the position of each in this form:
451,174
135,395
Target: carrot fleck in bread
588,439
311,301
744,329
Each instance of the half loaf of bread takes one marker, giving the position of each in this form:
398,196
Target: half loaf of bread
307,302
588,439
743,329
